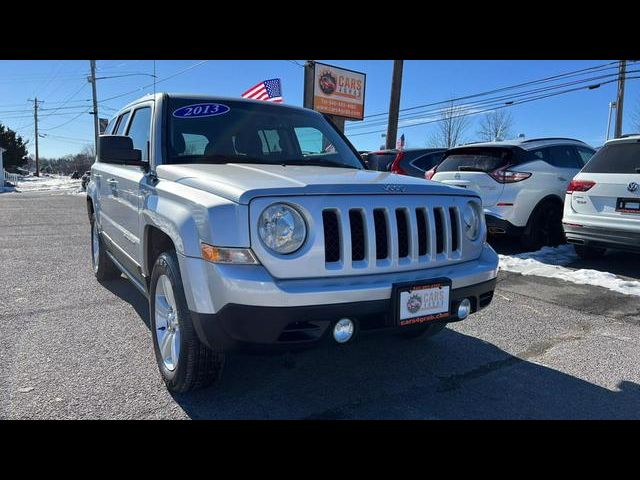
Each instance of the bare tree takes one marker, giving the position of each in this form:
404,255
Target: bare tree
496,126
451,129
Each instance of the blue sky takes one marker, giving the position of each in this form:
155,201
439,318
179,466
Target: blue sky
581,114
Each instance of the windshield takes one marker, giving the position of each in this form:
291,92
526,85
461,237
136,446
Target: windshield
207,131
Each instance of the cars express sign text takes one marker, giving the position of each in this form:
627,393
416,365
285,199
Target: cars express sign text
338,92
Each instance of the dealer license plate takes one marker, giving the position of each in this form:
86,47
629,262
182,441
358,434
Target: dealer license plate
422,302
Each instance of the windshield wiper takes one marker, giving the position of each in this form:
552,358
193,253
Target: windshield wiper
323,163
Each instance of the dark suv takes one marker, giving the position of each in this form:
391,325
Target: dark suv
411,161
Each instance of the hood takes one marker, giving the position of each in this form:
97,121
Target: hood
241,183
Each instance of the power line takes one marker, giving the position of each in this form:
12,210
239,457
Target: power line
156,82
540,97
484,102
69,121
605,66
68,99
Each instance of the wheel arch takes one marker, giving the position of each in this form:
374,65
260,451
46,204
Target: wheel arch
559,202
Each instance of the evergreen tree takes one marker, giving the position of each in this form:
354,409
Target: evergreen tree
16,148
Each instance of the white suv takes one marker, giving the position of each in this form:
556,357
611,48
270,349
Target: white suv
602,208
522,183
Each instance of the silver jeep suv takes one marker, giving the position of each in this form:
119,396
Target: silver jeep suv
250,224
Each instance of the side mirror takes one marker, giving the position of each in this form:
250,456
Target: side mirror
119,149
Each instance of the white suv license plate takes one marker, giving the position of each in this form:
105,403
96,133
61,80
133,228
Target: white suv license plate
424,302
628,205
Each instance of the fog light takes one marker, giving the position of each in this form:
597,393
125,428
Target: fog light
464,309
343,330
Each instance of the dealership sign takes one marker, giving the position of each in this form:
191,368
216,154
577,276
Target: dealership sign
339,92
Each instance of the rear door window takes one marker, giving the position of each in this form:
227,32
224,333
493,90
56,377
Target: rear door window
428,161
585,155
381,161
564,156
476,160
615,158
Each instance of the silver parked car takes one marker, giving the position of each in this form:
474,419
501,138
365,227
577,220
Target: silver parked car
247,223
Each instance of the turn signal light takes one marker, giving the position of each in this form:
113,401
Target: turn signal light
227,255
580,185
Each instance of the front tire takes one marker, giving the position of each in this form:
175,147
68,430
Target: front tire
103,267
184,362
589,253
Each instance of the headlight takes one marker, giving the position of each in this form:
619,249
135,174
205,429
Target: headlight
471,221
282,228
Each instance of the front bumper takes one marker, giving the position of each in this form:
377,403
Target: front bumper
500,226
601,237
237,326
209,287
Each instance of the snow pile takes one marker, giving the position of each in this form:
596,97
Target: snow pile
52,184
550,262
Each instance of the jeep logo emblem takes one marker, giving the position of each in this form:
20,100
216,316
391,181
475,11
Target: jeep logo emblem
394,188
632,187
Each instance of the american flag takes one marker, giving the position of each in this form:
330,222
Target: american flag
269,90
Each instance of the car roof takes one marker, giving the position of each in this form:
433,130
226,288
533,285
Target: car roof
629,138
207,98
527,144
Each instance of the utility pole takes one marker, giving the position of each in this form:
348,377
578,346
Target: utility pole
36,103
620,100
307,99
394,104
96,121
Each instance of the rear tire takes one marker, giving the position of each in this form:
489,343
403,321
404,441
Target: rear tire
103,267
544,227
589,253
424,331
185,363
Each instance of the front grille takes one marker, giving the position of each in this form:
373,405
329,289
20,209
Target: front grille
331,236
356,223
380,222
421,220
403,233
453,217
422,233
439,221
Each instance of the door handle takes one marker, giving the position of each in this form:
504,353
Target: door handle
112,181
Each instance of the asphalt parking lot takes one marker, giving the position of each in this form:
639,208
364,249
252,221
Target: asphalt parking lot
73,348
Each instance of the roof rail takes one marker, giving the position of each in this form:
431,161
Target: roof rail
551,138
627,135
